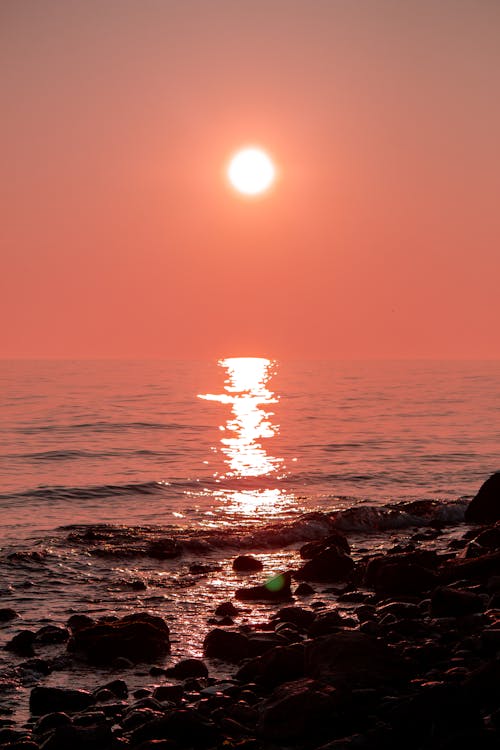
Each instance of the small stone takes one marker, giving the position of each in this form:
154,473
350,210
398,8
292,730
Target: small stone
7,614
247,564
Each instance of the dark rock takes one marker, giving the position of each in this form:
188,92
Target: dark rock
51,721
171,693
164,549
404,578
326,622
79,738
489,538
77,622
424,558
203,568
186,727
485,506
278,665
311,549
226,645
449,602
44,700
227,609
275,589
297,710
246,564
476,569
157,745
187,668
118,688
22,643
50,634
352,658
331,564
296,615
9,736
304,589
37,665
20,745
138,637
137,717
7,614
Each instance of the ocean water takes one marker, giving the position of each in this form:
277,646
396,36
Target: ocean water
100,460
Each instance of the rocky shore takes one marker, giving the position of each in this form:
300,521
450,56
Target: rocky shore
415,665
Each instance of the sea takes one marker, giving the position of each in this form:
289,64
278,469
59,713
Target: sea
102,460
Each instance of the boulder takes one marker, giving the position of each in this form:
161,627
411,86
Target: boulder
278,665
79,738
296,615
45,700
22,643
227,645
331,564
310,549
449,602
404,578
352,658
50,721
247,564
164,549
297,710
274,590
139,637
185,726
51,634
476,569
227,609
7,614
485,506
188,668
423,558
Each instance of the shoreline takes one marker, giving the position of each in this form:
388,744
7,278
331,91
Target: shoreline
356,649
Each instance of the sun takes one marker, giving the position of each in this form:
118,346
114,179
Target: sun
251,171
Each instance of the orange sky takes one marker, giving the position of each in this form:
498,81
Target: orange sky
120,237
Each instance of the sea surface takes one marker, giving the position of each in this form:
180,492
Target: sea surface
99,460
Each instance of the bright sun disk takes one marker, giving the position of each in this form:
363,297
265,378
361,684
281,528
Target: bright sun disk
251,171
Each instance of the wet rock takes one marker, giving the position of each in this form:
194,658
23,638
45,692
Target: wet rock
449,602
139,637
331,564
77,622
171,693
187,668
117,688
20,745
227,645
45,700
275,589
186,727
51,634
22,643
485,506
477,569
304,589
203,568
424,558
164,549
51,721
352,658
297,710
7,614
489,538
137,717
9,736
326,623
79,738
37,665
296,615
247,564
227,609
278,665
404,578
311,549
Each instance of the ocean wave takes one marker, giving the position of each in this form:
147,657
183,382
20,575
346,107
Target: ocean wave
68,455
83,493
104,426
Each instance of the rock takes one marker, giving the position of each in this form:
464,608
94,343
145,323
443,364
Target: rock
278,665
117,688
164,549
37,665
157,745
77,622
424,558
404,578
352,658
331,564
489,538
186,727
45,700
171,693
7,614
485,506
22,643
449,602
296,615
79,738
311,549
304,589
139,637
227,609
51,721
275,589
476,569
50,634
246,564
326,623
227,645
295,711
188,668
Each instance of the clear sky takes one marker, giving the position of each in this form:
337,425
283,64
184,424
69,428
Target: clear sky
119,234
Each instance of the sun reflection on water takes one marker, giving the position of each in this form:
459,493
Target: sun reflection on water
250,423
